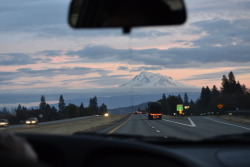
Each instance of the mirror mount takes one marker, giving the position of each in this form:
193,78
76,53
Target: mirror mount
126,30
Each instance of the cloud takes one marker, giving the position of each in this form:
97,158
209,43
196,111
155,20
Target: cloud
6,76
170,58
29,14
50,72
123,68
50,53
81,71
146,68
43,19
17,59
64,31
109,80
142,33
215,76
224,32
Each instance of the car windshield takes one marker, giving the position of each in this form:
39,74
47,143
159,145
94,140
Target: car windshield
101,80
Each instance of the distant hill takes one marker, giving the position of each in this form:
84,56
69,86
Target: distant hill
130,109
123,101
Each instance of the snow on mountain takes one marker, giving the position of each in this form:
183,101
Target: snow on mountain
151,80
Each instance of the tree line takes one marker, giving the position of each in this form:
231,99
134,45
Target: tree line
231,95
47,113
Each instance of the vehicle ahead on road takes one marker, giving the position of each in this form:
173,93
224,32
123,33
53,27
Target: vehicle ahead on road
154,110
31,121
4,122
137,112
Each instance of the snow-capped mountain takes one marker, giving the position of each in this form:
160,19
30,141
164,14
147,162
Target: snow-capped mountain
151,80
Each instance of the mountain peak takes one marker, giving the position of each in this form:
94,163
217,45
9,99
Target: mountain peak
152,80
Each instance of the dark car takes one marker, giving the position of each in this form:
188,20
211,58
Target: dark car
154,110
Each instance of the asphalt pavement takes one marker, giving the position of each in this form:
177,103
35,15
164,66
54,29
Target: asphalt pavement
192,128
47,123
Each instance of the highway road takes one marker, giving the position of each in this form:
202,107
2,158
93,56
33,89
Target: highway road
50,122
68,126
192,128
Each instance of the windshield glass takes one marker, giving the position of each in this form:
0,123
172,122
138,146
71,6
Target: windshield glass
100,80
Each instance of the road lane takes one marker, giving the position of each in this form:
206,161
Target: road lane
133,126
49,122
193,128
70,126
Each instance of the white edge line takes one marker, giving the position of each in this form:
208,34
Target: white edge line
227,123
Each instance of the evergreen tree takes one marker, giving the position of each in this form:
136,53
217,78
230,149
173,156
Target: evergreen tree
230,86
164,97
82,110
47,113
42,105
164,105
72,111
53,113
21,113
244,89
186,102
205,96
231,78
103,109
93,106
47,108
5,110
215,92
19,108
180,99
233,86
172,103
239,89
61,104
225,85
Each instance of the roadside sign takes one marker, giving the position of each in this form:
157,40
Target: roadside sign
179,107
41,115
220,106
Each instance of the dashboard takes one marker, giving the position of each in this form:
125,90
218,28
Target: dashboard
91,151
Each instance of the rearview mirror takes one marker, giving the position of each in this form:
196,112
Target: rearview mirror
125,13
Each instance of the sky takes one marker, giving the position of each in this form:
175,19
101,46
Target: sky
40,52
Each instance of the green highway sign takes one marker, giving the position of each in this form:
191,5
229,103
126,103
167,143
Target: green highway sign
179,107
